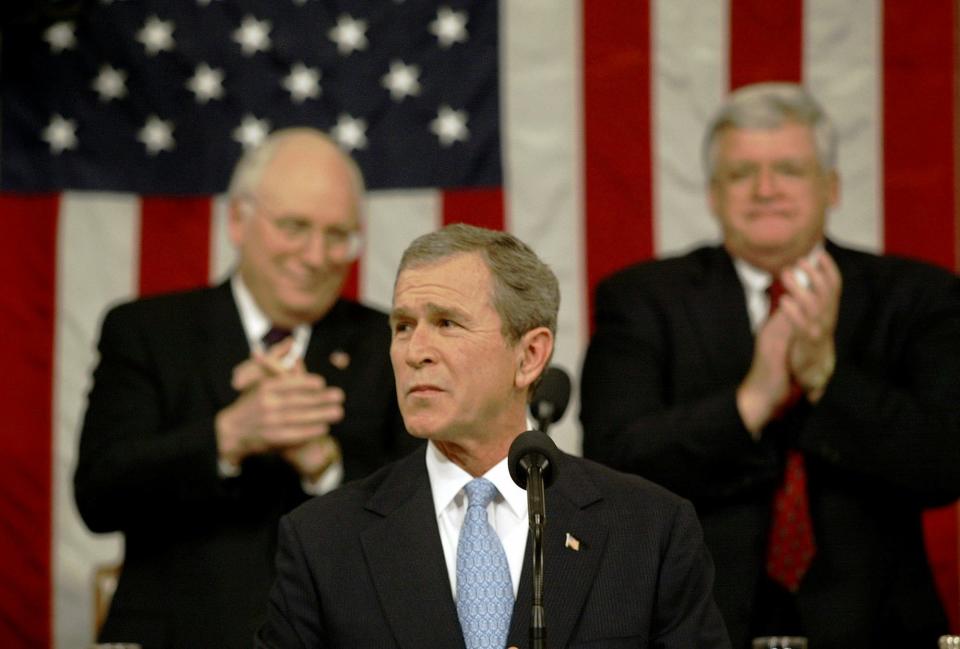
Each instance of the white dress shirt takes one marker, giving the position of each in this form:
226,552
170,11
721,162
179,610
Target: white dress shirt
755,283
256,324
507,513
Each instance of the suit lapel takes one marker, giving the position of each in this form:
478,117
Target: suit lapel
406,563
718,309
853,299
569,573
335,333
226,343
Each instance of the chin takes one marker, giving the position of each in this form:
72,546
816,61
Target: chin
308,309
421,428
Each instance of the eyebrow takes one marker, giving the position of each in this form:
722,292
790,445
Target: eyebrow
433,311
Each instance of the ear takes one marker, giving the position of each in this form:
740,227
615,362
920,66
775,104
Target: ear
533,351
833,188
237,221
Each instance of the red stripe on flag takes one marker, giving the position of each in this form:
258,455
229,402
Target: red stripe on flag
918,100
351,286
480,207
766,41
28,253
174,243
918,131
918,160
618,139
943,545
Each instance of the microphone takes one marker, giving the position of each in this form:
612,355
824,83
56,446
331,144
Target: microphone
533,450
550,398
532,462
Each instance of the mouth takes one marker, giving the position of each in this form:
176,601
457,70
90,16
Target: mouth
423,389
770,214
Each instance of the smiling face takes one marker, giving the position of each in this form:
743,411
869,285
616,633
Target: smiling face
305,199
458,379
770,193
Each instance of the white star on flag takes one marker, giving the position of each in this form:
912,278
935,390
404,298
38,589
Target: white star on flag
349,34
450,27
350,133
402,80
156,35
60,134
206,83
253,35
251,131
110,83
157,135
61,36
302,83
450,126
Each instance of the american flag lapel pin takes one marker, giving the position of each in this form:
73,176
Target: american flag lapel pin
572,542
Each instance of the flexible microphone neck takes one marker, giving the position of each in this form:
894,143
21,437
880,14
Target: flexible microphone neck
532,462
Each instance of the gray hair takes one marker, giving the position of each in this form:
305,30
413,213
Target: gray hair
771,105
526,293
251,165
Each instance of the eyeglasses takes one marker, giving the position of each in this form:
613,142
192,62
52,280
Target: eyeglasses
340,244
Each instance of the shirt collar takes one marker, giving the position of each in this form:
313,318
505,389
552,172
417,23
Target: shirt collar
755,279
447,481
254,320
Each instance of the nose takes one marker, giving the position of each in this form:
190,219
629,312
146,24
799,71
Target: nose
765,184
420,348
314,252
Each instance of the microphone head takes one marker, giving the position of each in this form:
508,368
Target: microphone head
551,397
533,447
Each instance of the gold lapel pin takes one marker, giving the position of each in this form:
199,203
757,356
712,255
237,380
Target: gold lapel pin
572,542
340,359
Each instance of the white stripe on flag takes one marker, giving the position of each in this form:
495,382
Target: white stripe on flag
689,50
839,35
541,82
97,245
393,220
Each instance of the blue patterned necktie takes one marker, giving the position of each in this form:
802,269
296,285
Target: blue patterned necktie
484,589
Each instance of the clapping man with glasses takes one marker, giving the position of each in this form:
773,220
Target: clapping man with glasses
215,411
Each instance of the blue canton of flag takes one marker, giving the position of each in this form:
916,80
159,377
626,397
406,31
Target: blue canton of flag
159,97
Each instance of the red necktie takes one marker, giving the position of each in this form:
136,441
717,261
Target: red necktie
791,546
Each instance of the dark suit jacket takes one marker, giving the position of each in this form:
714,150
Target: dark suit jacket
199,549
673,342
364,567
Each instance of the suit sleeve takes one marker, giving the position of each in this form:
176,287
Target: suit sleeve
890,413
686,615
634,419
293,612
127,463
142,462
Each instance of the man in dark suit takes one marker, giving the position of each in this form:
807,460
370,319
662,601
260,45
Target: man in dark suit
689,382
386,561
198,435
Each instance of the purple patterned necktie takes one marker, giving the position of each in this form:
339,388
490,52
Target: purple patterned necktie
275,335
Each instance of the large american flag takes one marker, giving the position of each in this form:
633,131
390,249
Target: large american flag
575,125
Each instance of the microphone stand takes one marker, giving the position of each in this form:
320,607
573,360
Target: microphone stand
537,513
